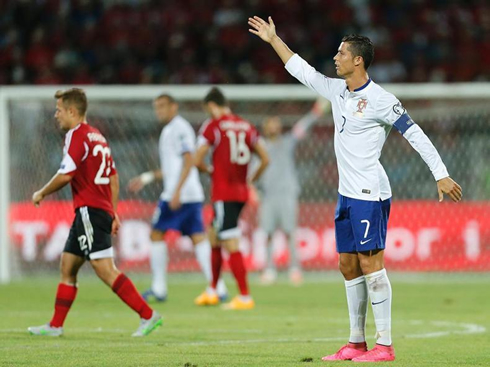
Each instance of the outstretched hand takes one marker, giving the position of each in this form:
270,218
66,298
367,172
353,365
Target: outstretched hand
449,187
266,31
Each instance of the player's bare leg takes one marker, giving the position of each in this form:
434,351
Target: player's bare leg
202,249
357,297
106,270
295,274
158,264
269,276
69,266
210,296
121,285
379,289
65,295
349,266
243,301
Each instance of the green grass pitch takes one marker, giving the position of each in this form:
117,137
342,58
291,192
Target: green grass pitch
437,321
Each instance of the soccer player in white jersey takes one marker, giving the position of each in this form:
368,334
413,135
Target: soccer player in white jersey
180,204
364,114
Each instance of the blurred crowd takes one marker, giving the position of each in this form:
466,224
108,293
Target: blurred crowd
207,41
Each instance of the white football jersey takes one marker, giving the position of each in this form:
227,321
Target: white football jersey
177,138
363,119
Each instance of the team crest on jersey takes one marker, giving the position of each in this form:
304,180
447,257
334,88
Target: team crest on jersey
361,106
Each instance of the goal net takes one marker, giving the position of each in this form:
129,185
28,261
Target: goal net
423,234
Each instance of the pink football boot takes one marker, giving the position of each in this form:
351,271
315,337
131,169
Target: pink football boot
380,353
348,352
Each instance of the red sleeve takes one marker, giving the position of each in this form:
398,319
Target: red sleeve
76,150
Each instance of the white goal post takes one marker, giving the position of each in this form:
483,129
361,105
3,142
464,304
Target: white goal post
274,93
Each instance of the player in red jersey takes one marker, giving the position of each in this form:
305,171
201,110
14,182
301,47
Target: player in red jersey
89,168
233,140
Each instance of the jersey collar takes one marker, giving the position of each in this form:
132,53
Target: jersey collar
78,126
364,86
360,88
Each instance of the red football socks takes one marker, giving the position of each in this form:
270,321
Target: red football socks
240,273
216,261
65,295
125,289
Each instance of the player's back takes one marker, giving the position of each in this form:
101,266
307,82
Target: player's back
88,159
233,140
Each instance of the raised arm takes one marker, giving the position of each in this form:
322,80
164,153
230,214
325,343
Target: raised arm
295,65
301,127
267,32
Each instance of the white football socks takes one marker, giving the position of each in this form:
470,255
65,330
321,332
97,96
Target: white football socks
203,256
158,262
379,289
221,288
357,296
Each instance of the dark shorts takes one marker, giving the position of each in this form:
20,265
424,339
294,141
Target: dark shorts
187,219
361,225
90,234
225,223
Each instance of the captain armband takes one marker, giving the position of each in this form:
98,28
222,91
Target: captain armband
404,123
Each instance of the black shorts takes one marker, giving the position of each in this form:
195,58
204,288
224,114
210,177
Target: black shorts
90,234
225,223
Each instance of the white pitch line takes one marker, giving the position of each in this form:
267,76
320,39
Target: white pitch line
465,329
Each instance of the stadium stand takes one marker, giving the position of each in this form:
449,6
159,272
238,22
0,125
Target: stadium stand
198,41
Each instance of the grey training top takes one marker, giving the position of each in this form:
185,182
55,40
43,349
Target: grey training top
280,178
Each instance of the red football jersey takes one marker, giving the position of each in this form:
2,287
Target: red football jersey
233,140
87,158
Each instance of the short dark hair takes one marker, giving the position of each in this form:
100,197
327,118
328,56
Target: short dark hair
75,97
168,96
360,46
216,95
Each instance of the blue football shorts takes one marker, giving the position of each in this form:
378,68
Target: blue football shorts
361,225
187,219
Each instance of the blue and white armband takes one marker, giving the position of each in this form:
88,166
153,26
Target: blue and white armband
404,123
